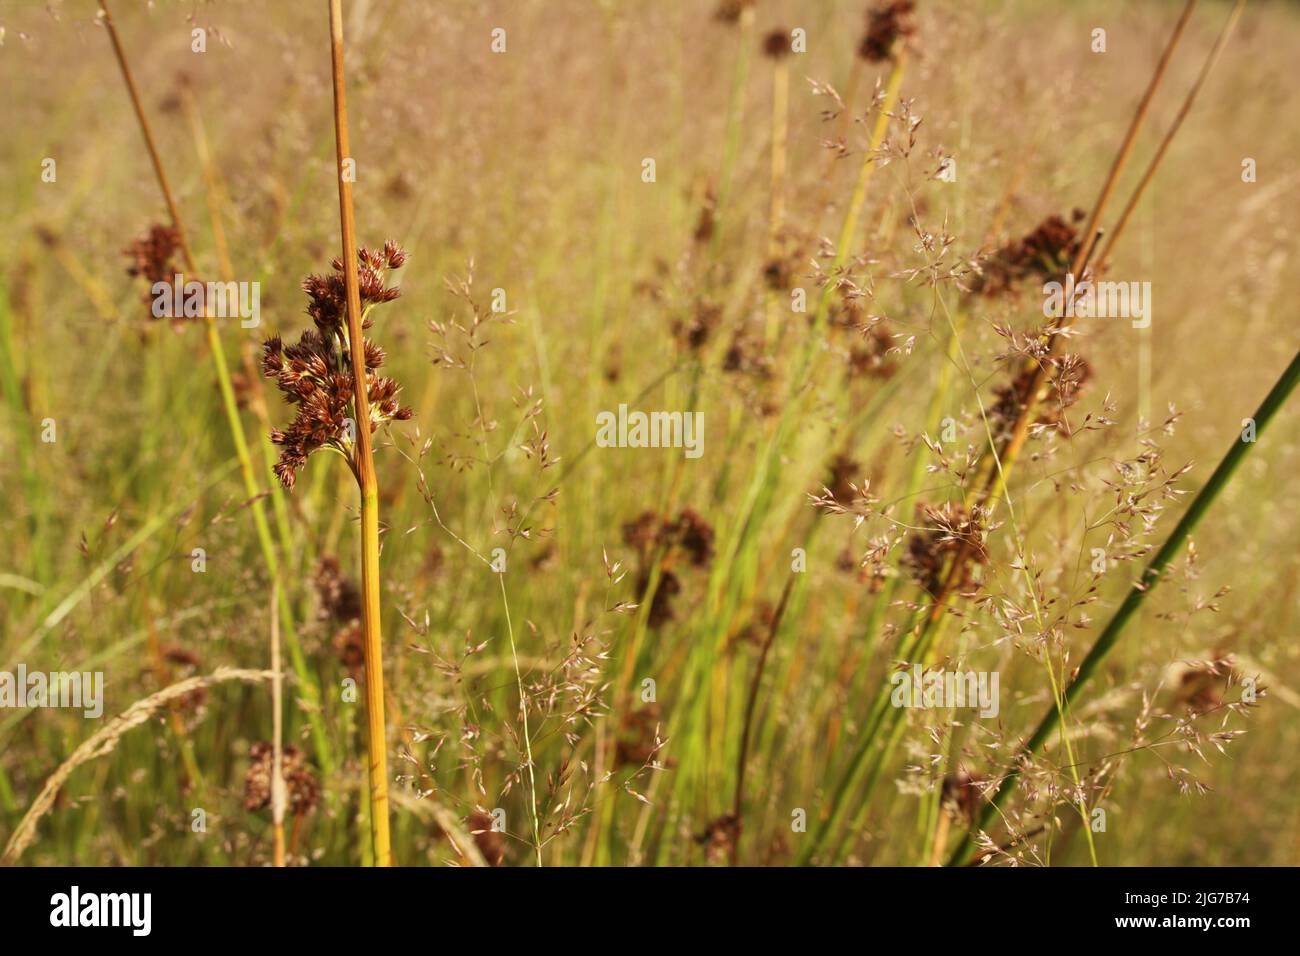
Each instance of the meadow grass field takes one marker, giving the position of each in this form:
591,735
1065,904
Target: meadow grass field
811,246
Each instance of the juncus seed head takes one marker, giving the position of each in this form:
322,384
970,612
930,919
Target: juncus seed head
316,374
886,25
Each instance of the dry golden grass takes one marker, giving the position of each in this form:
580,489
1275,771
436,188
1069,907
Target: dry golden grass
549,282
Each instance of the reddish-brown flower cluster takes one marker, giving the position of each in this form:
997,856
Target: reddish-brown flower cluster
745,355
776,44
661,605
638,736
153,257
490,842
845,473
963,793
694,332
1203,684
729,11
947,530
339,596
693,535
708,218
786,262
316,374
872,356
328,294
1045,253
340,603
719,837
350,648
1061,389
690,532
886,25
187,662
689,536
302,789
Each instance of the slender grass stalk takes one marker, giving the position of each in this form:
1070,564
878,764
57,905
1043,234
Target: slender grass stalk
868,168
105,741
865,763
34,494
1137,595
277,734
1130,138
367,481
307,684
183,742
757,497
523,719
776,209
256,398
1103,259
735,113
1020,428
738,805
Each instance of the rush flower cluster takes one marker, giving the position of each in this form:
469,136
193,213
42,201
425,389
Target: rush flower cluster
316,374
887,24
153,256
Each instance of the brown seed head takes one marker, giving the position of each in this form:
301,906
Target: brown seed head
886,25
1044,253
777,44
729,11
490,842
316,374
947,530
301,785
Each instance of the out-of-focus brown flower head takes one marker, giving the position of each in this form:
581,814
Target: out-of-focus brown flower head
693,332
730,11
947,529
340,598
638,736
302,789
845,472
490,842
886,26
1068,376
776,44
719,837
661,606
695,536
153,256
1044,253
963,793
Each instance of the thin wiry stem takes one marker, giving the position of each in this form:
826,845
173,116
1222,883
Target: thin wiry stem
866,761
1126,148
277,734
1137,595
106,740
1029,397
1219,42
310,693
523,712
738,804
377,738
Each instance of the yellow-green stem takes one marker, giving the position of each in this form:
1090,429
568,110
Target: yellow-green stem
364,464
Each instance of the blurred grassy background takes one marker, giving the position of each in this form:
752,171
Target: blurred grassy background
529,164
